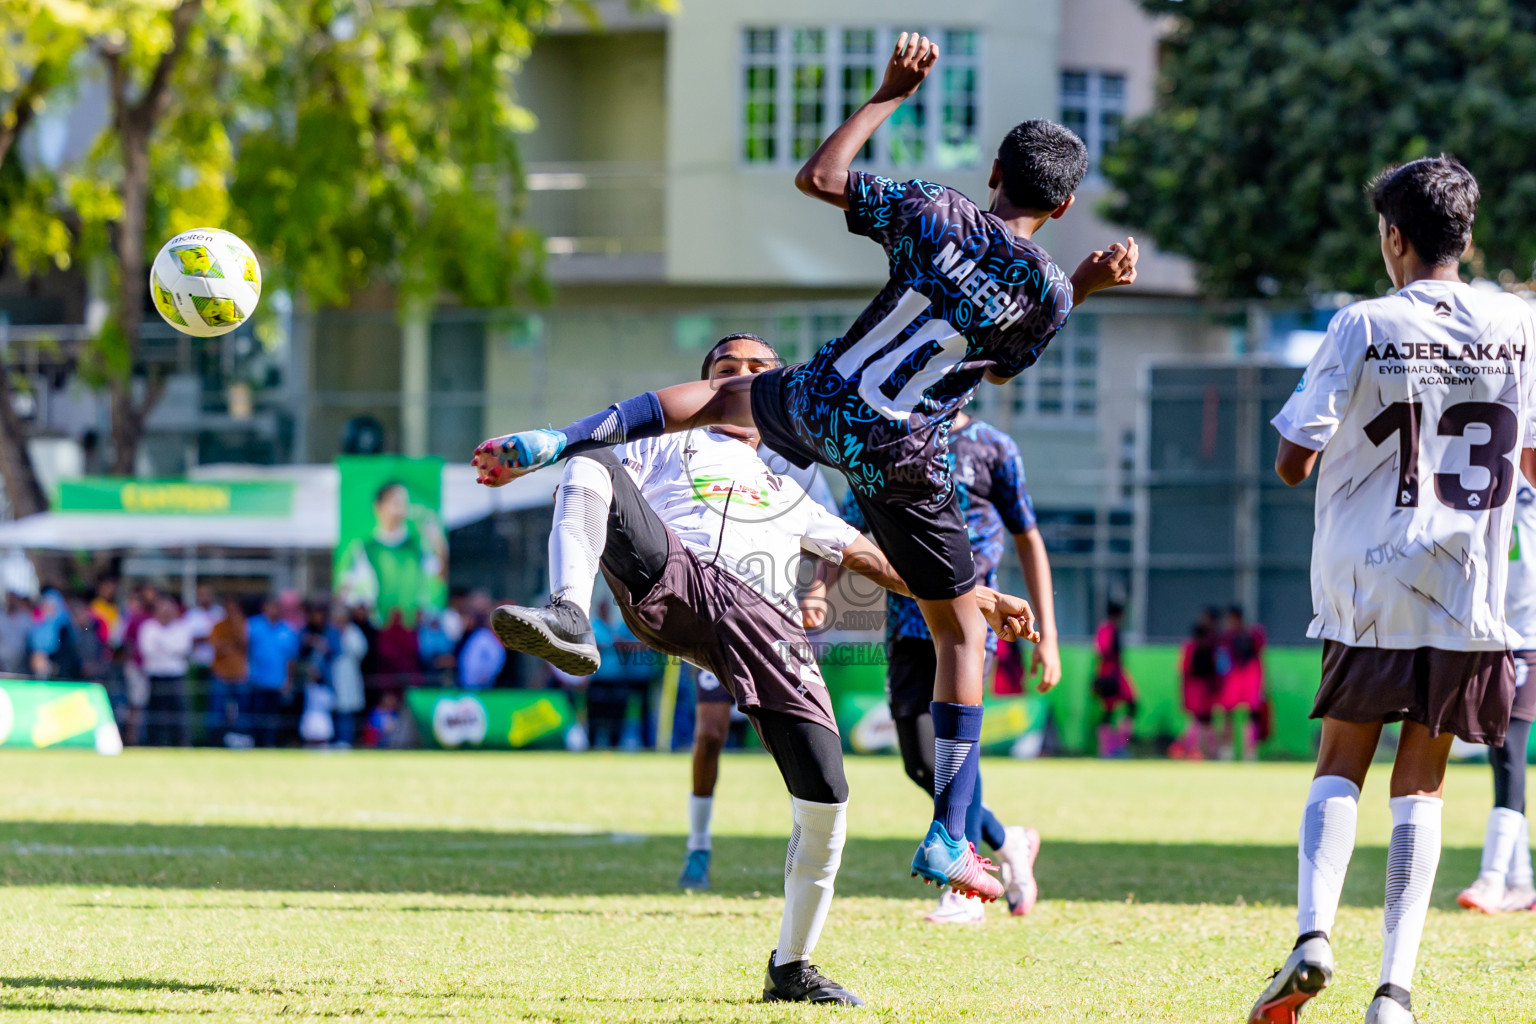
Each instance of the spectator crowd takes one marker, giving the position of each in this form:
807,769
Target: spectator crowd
250,670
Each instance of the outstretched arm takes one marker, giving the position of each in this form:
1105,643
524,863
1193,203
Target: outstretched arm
1010,617
825,174
1046,659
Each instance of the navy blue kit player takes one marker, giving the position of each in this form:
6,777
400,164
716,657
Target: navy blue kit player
970,298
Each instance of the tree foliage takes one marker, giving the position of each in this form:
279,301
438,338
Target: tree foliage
350,143
1271,117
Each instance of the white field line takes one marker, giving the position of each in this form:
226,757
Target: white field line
263,814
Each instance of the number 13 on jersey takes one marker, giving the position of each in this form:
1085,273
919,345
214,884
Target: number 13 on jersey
1492,431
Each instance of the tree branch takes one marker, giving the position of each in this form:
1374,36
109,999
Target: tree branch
25,106
152,104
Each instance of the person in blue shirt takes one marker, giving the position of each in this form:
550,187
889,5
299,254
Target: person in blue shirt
273,647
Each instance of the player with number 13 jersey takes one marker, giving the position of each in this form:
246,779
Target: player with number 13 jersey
1423,399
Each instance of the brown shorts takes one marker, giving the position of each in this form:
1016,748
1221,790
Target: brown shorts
1525,687
1467,693
713,620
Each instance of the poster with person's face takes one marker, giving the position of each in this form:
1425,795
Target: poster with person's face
392,550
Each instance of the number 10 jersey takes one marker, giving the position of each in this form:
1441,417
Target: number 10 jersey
965,295
1420,402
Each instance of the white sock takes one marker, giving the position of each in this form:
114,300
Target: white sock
699,810
1412,858
1519,872
581,530
815,851
1499,843
1325,843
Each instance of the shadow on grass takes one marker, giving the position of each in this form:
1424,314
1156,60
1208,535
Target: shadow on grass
461,862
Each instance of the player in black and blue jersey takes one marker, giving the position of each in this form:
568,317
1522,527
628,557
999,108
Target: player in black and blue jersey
970,298
988,475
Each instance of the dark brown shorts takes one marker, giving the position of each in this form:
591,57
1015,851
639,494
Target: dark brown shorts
1467,693
713,620
1525,687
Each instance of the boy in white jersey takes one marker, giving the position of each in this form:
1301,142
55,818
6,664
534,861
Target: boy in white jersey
1504,882
700,543
1423,400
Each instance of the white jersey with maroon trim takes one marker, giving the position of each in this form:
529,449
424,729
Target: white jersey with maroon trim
1420,402
725,505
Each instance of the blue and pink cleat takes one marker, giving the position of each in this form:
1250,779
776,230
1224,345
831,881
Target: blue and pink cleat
948,862
503,459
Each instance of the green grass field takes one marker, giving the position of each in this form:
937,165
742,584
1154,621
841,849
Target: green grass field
539,887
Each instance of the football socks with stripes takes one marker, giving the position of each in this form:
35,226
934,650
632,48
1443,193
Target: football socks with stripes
956,763
1412,858
1326,842
576,543
810,869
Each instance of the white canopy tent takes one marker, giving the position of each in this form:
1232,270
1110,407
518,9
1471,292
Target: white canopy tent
311,525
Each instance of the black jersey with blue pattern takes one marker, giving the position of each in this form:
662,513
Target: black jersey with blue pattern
965,295
989,480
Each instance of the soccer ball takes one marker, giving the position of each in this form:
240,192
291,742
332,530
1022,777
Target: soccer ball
205,282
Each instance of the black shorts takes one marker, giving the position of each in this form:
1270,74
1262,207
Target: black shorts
911,664
927,542
1467,693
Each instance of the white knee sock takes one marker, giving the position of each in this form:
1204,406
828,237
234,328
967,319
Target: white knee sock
699,810
1519,872
815,851
1412,858
1326,841
580,532
1499,843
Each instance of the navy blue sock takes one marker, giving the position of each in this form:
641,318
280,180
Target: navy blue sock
629,420
981,822
956,763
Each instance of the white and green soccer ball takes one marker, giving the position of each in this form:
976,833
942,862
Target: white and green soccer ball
205,282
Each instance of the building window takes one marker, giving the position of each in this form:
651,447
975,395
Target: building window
1063,387
799,82
1093,106
760,106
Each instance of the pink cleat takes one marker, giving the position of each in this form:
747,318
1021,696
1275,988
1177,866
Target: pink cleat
1020,848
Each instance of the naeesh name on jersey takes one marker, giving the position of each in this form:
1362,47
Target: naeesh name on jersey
978,286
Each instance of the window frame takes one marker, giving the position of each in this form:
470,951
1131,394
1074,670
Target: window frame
1022,394
1094,107
834,60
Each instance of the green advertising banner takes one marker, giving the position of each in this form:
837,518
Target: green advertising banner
41,715
392,550
175,497
491,719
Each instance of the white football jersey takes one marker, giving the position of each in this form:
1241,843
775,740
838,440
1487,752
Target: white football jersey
1420,402
1520,600
724,503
